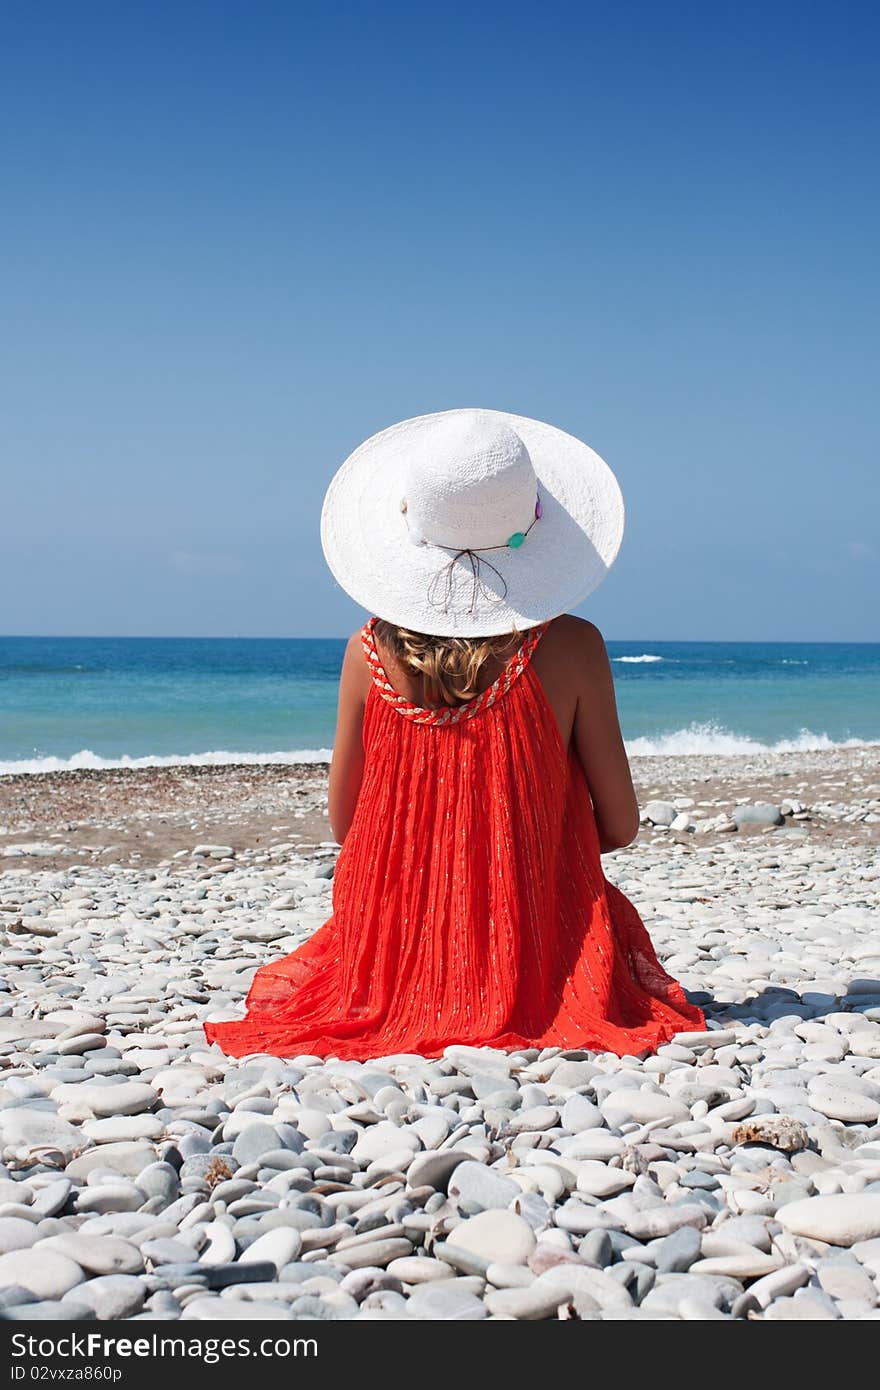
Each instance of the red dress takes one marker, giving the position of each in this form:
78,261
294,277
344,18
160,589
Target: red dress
469,900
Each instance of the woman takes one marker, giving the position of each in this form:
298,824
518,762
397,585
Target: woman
478,770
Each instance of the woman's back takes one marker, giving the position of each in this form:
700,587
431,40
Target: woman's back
571,665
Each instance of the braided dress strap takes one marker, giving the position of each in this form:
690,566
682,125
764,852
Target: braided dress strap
449,714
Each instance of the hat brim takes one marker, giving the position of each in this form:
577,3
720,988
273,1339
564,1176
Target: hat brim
565,556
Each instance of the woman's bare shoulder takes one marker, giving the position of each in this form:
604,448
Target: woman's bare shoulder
573,637
355,675
568,663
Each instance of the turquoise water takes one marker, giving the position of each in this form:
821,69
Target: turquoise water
104,701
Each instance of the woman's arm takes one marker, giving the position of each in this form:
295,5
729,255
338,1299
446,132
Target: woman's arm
347,762
600,746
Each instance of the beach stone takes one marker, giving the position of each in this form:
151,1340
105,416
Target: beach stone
49,1277
127,1159
552,1183
50,1199
598,1144
761,813
505,1276
677,1252
126,1098
654,1222
254,1142
499,1237
552,1249
159,1180
712,1038
208,1309
746,1265
337,1306
434,1169
600,1180
660,812
493,1086
667,1294
72,1022
807,1305
836,1220
642,1107
378,1252
445,1303
279,1247
412,1269
202,1169
165,1251
475,1187
361,1283
780,1284
570,1280
579,1114
596,1249
534,1118
382,1139
699,1182
465,1262
579,1220
572,1074
16,1234
181,1081
22,1030
96,1254
123,1127
50,1310
222,1276
845,1105
432,1128
111,1296
220,1245
395,1161
110,1197
23,1128
747,1230
529,1303
844,1281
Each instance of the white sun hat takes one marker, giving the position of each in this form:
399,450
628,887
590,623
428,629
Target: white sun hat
471,523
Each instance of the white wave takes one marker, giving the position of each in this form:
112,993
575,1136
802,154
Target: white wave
86,760
646,657
706,738
714,739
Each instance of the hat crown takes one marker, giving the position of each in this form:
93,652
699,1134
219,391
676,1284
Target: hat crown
470,482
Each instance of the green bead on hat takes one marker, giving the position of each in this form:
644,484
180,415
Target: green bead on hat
516,540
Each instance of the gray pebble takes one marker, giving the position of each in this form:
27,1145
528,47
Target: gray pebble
111,1296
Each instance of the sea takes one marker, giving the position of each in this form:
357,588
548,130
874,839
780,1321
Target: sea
93,702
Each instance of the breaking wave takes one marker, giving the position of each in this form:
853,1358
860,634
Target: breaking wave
86,760
715,739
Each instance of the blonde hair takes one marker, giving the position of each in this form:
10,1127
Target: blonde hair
450,666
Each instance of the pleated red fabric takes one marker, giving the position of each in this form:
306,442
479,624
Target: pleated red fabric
469,900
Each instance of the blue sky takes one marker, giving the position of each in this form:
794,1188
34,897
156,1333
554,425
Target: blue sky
237,238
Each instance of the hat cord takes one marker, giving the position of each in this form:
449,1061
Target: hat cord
446,578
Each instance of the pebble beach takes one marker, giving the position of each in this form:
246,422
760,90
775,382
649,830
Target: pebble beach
734,1174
